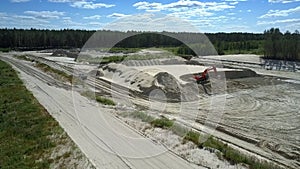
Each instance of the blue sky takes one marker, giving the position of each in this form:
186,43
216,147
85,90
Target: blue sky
205,15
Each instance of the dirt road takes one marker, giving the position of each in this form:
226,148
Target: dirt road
106,141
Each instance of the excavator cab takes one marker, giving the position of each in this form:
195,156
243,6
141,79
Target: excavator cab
203,78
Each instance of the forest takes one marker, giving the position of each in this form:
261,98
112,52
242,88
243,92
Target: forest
271,44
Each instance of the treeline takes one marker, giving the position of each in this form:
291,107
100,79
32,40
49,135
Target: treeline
68,38
272,43
281,46
224,43
29,39
237,43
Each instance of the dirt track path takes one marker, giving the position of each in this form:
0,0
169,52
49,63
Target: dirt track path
106,141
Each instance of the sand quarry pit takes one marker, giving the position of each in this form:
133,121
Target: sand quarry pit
262,106
172,80
260,109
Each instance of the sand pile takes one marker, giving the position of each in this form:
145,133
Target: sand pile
65,53
166,83
148,81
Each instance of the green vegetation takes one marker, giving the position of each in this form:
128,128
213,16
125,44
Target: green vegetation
114,59
282,46
223,150
46,68
23,57
94,96
25,126
105,101
155,122
179,130
34,39
124,50
58,73
117,59
143,116
193,137
162,123
4,50
101,60
236,157
272,43
149,56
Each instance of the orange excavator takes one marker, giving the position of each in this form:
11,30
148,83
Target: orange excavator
203,78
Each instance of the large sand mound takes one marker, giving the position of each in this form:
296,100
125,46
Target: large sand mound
166,83
145,81
171,80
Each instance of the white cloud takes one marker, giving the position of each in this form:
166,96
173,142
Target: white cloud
202,14
45,14
96,23
192,13
293,26
231,13
17,1
151,22
22,21
67,18
28,18
185,9
283,1
92,17
214,6
60,1
278,13
90,5
284,21
234,2
117,15
69,22
85,4
182,5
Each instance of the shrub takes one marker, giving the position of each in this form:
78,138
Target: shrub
124,50
162,123
193,137
143,116
114,59
105,101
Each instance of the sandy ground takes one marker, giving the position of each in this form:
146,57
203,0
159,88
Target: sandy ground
239,58
261,114
61,59
254,60
188,150
177,70
261,110
107,142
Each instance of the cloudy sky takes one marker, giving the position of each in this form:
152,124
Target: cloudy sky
205,15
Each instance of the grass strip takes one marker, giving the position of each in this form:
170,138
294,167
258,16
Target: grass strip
61,74
105,101
25,126
162,123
